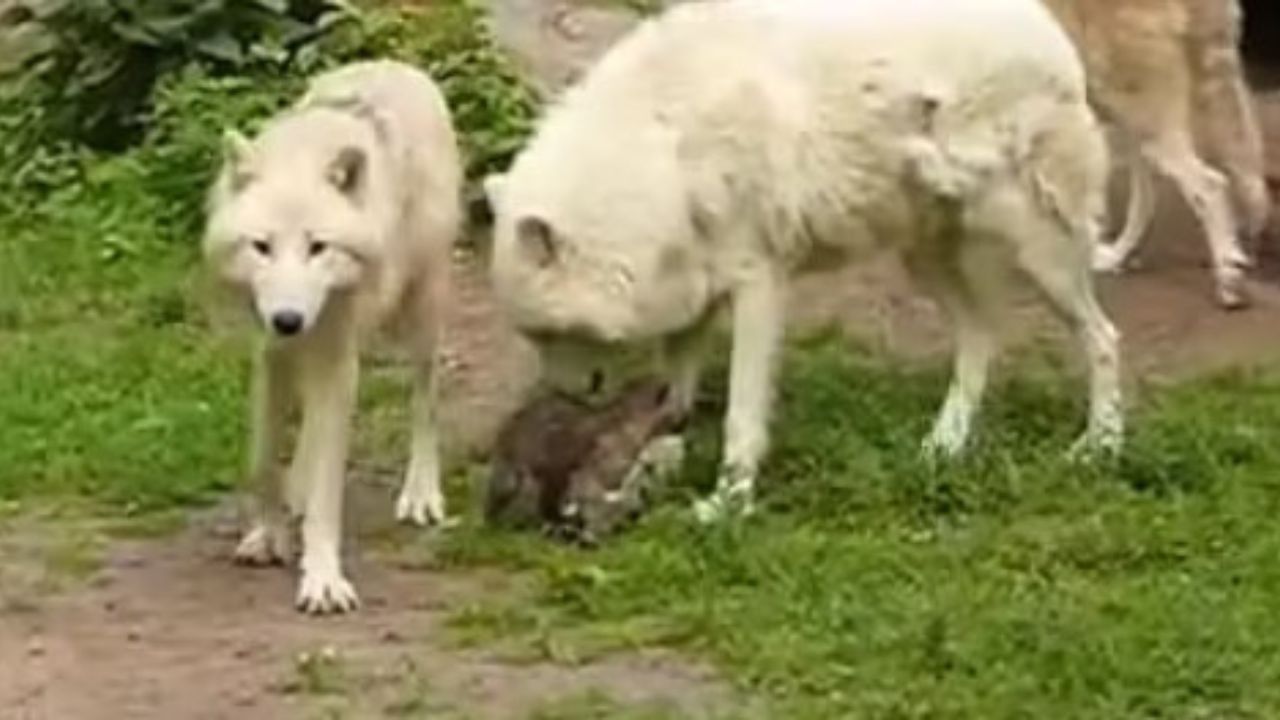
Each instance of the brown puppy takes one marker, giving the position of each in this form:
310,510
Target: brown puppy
580,471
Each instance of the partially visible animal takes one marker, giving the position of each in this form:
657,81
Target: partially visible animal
334,222
725,147
1166,74
579,471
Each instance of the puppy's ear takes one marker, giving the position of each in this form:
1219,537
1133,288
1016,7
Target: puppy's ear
348,170
494,184
237,154
537,240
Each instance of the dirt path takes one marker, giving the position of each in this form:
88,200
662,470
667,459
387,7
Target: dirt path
172,630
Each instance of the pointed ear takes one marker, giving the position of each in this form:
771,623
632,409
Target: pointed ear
236,152
537,240
347,171
494,184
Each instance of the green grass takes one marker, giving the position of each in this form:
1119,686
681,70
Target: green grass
1013,585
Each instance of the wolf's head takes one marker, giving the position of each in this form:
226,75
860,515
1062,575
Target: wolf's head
293,216
597,249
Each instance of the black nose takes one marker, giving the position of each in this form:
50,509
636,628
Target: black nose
287,322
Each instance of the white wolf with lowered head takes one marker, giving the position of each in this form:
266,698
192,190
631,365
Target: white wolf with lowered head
335,221
724,147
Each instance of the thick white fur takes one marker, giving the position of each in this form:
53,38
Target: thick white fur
1168,73
342,211
724,147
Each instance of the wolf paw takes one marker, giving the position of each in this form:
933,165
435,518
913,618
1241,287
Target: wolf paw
264,544
1095,446
730,500
1238,258
944,443
322,593
1229,283
720,507
420,507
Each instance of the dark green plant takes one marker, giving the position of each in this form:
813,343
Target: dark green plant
96,79
189,107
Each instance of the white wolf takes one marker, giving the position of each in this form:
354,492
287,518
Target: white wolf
336,220
725,146
1168,74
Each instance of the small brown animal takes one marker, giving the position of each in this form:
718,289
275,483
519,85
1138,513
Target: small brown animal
581,472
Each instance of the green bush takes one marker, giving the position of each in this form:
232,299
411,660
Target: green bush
188,106
97,77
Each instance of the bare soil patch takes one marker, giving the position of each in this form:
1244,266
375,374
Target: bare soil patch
171,629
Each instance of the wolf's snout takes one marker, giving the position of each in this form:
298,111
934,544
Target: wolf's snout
287,322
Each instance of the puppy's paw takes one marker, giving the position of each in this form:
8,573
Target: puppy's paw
265,544
663,456
322,593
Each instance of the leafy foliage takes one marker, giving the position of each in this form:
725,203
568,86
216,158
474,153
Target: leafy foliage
107,55
46,128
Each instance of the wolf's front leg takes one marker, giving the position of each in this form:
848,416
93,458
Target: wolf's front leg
328,391
758,316
421,499
268,540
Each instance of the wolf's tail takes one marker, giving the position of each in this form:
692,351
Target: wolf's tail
1111,256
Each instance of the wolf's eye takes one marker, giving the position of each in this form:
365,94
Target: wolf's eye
316,247
262,247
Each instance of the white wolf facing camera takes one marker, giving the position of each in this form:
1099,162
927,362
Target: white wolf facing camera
335,221
724,147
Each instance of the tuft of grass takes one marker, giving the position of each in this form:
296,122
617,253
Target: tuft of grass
323,672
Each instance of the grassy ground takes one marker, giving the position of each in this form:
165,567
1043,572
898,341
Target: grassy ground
1012,585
